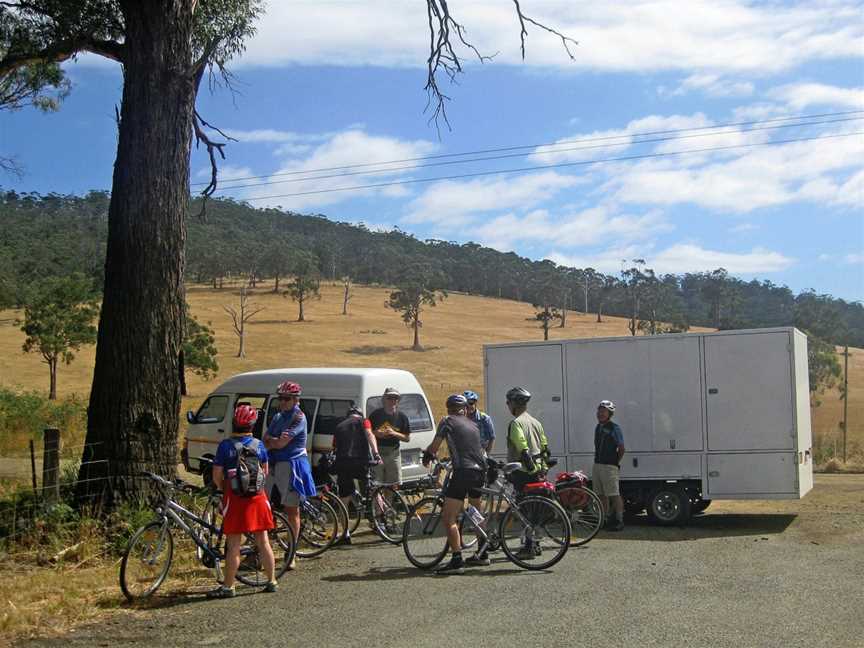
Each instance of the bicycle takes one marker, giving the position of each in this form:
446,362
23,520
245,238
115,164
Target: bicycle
533,531
383,506
582,505
150,551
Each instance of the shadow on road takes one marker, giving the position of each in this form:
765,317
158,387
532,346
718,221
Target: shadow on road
721,525
400,573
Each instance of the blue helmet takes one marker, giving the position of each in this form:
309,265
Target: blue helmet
471,396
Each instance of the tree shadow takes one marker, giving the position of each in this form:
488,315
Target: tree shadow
401,573
369,349
720,525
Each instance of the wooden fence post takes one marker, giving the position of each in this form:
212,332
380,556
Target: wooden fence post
51,465
33,468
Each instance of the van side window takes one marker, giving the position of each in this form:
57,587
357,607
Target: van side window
257,401
213,410
414,407
330,414
307,405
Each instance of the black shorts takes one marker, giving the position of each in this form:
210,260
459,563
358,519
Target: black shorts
345,476
464,482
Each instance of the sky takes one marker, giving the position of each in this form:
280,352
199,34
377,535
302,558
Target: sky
767,97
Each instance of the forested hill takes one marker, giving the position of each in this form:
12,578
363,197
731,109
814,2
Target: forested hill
42,236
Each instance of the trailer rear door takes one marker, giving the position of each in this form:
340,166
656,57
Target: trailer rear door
750,392
537,368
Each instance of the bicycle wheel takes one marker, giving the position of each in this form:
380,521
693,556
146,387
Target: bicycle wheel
387,513
424,538
355,512
585,513
535,533
283,541
341,512
319,527
212,515
146,560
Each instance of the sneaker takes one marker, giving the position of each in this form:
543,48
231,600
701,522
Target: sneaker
478,560
346,540
221,592
292,565
529,552
451,567
271,587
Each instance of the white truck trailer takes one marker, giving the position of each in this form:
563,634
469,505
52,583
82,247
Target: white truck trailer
705,416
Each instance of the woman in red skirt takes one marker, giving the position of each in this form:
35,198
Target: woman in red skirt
242,514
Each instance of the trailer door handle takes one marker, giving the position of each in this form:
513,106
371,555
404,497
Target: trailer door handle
556,399
635,462
713,390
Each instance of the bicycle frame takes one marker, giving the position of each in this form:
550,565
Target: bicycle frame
172,512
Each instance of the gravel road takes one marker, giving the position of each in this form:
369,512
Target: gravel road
743,574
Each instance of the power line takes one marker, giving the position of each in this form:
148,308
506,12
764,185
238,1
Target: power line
517,155
542,167
558,143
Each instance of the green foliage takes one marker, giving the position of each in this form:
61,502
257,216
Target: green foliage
199,347
305,283
823,367
41,85
416,288
25,414
58,319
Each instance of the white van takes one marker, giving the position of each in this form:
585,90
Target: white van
327,395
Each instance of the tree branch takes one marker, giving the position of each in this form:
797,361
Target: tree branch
212,148
63,50
524,32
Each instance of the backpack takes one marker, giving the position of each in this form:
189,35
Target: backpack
248,477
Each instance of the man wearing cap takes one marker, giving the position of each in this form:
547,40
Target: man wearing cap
608,451
391,428
481,419
469,469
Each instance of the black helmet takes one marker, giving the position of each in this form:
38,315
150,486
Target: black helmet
456,400
518,395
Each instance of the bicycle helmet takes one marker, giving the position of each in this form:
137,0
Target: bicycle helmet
245,417
608,405
518,395
456,400
354,410
289,388
471,396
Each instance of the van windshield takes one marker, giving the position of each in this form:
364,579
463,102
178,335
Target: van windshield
412,405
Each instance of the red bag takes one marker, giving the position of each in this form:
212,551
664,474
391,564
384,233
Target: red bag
569,487
543,488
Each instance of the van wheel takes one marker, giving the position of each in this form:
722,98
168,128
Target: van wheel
669,505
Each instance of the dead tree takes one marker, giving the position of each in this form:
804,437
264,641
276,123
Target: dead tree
347,295
239,318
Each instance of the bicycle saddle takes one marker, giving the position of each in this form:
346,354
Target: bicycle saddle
508,468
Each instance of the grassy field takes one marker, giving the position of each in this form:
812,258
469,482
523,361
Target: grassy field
372,335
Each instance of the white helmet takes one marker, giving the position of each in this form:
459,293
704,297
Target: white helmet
608,406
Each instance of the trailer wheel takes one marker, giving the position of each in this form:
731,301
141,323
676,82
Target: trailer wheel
669,505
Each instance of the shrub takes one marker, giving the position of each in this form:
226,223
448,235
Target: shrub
25,414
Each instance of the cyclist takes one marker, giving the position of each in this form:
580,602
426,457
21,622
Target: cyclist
242,514
290,477
469,465
608,451
481,419
526,440
355,445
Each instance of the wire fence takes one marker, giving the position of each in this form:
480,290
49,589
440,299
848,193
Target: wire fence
47,489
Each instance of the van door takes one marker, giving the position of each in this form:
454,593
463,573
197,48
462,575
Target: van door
211,425
331,412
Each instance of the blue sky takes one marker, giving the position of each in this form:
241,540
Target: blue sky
330,84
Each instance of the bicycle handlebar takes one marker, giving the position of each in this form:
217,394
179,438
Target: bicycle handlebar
178,483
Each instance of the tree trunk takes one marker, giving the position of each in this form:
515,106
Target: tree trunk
241,352
300,301
417,346
132,419
181,373
276,286
345,298
599,313
52,368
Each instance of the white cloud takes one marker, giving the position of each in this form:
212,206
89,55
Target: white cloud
714,36
680,258
714,85
854,259
452,202
572,229
803,95
352,147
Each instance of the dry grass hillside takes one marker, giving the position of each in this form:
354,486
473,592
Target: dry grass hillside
372,335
